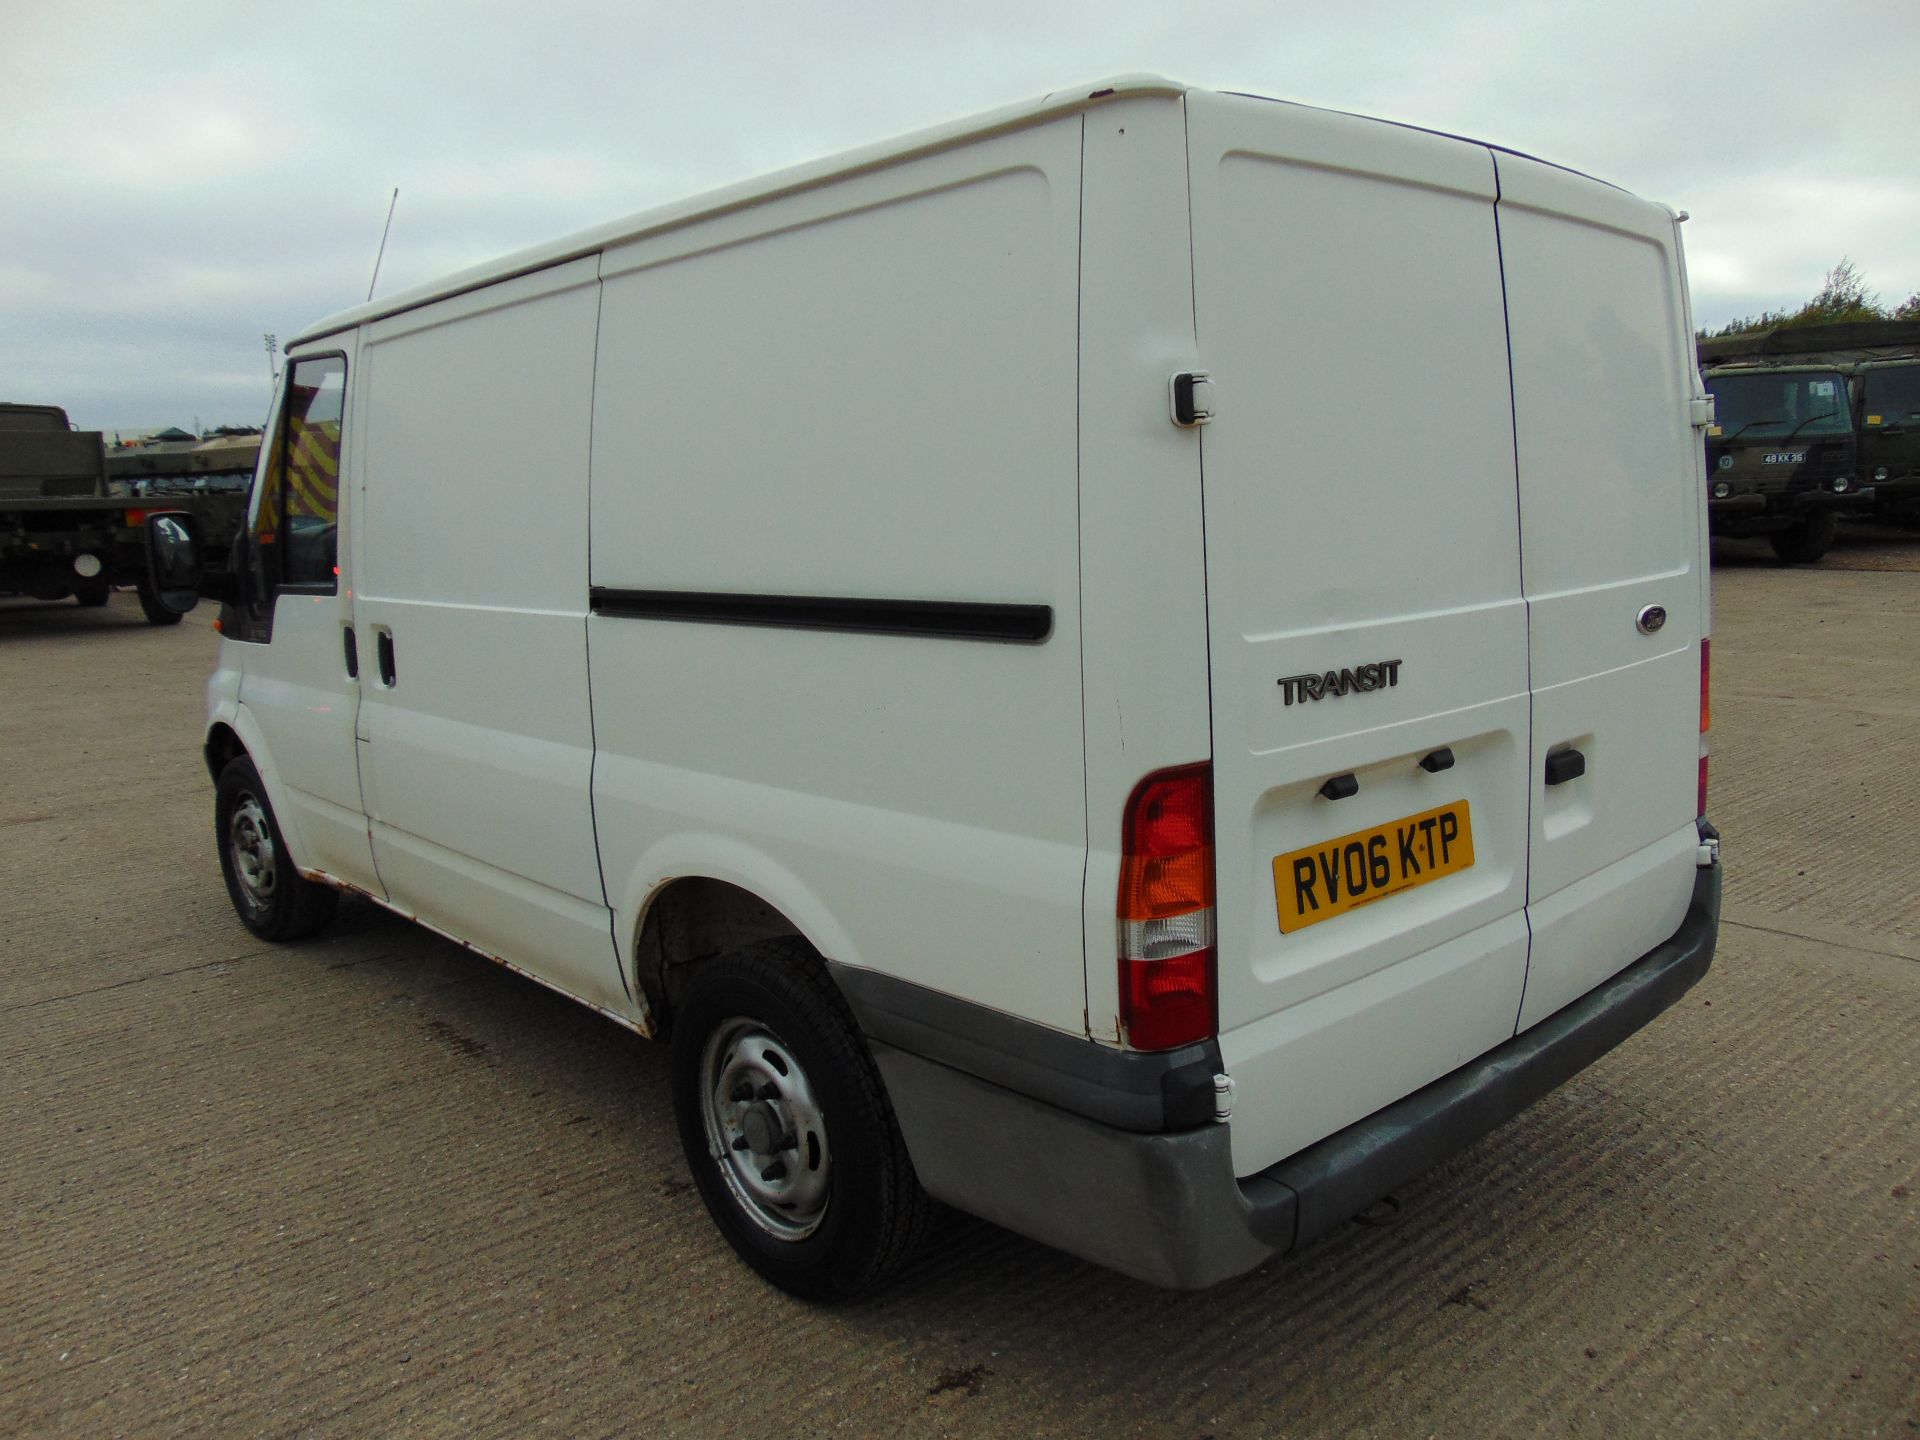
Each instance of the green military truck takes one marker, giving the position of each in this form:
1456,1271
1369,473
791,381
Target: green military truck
1776,460
62,530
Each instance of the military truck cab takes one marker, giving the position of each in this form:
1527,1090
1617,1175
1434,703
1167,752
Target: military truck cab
1781,455
1890,436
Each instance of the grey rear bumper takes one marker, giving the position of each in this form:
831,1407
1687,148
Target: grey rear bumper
1167,1207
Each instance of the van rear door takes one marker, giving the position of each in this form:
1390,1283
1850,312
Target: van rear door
1365,612
1611,508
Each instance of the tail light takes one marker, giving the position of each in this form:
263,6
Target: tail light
1168,984
1706,717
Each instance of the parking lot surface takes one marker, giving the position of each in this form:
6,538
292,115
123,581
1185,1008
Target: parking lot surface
371,1185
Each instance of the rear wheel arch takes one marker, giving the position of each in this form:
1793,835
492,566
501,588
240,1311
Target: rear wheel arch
233,735
690,920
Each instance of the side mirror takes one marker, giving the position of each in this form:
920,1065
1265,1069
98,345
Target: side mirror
173,560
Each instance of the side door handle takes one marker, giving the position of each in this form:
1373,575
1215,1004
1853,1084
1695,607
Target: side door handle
1565,765
353,653
383,652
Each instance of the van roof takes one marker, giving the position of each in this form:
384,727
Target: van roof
789,181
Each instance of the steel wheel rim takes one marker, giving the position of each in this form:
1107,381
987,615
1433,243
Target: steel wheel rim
256,864
764,1129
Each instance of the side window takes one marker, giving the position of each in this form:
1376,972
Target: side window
296,524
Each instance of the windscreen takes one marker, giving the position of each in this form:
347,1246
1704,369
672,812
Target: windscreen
1781,404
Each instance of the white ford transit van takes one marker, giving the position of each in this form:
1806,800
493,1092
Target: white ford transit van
1136,665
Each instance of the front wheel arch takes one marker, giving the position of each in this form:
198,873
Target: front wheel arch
269,894
223,746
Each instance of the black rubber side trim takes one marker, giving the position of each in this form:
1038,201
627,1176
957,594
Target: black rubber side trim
933,619
1145,1093
1314,1192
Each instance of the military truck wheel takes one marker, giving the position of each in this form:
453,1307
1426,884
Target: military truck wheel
272,898
1808,540
150,606
94,592
786,1126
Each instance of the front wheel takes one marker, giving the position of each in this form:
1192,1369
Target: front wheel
1808,540
273,899
786,1127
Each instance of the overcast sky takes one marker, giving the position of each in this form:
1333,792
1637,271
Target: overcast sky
177,179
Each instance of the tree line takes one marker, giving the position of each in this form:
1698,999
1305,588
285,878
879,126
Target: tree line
1843,296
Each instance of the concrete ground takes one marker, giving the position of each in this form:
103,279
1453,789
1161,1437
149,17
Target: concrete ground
370,1185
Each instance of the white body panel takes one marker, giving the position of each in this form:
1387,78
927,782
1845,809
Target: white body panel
477,760
1143,628
1610,486
852,392
1360,508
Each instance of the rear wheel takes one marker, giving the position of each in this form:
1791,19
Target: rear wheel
94,592
786,1126
1808,540
272,898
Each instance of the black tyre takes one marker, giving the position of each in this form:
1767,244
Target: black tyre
272,898
93,593
1808,540
150,606
786,1126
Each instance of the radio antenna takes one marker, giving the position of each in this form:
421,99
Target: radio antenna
382,252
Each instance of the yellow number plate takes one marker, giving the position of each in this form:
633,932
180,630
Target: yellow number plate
1336,876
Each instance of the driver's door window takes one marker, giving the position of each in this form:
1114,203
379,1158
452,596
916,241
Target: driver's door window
295,532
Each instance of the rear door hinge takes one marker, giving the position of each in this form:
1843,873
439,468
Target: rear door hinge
1222,1098
1700,411
1190,396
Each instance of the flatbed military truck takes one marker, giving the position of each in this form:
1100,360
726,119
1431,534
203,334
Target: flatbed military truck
62,530
222,460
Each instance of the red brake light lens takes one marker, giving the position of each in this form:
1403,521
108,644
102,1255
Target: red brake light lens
1165,1004
1167,958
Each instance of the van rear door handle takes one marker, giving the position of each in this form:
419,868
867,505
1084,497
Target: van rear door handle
383,650
1565,765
